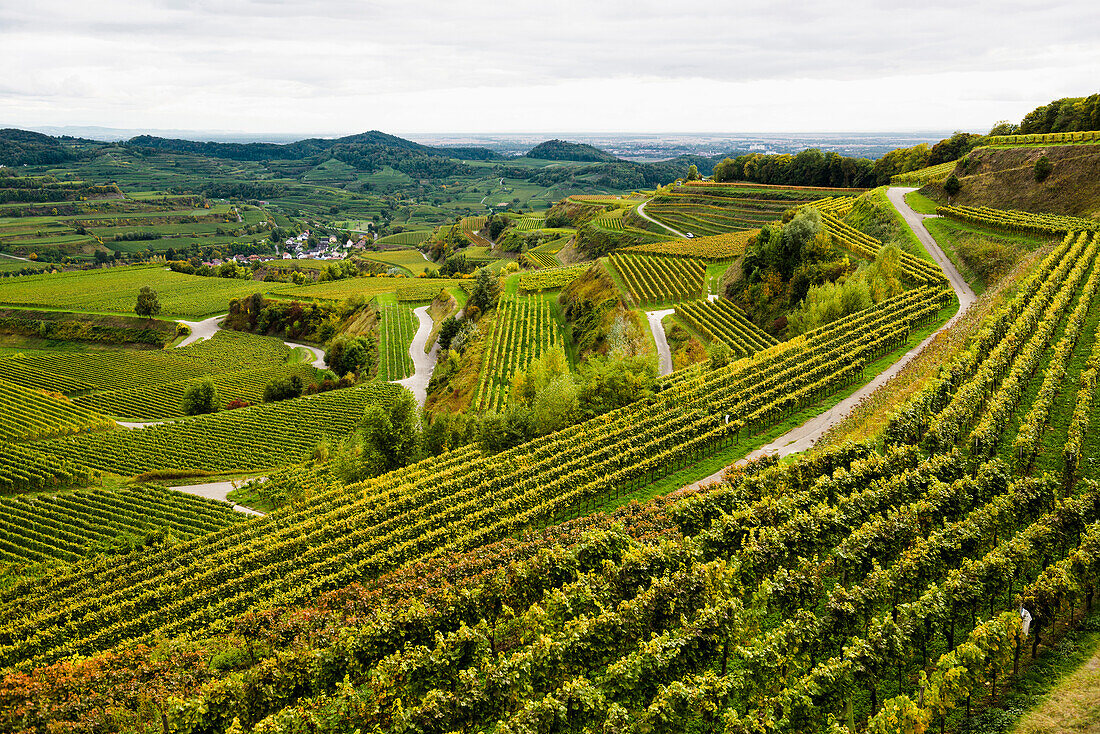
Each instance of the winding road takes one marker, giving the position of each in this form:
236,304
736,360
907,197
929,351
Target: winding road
806,435
218,491
202,329
423,362
658,329
643,215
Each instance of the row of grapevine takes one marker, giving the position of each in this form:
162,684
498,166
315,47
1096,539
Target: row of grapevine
412,239
472,224
914,268
1088,136
614,224
165,400
720,320
453,503
838,206
67,527
551,279
522,331
396,332
927,175
652,280
29,415
1014,220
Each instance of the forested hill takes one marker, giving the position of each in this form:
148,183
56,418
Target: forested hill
23,147
372,144
563,150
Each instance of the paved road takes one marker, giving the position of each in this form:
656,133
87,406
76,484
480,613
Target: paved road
423,362
643,215
318,355
806,435
655,326
202,329
218,491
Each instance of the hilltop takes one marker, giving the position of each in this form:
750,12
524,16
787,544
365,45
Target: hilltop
563,150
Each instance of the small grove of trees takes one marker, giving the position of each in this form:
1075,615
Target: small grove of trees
386,438
148,303
952,185
200,399
1043,168
351,354
283,389
485,293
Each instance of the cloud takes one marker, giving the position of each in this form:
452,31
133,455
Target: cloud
435,65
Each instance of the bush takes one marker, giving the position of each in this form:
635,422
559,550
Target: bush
350,354
1043,168
200,399
283,389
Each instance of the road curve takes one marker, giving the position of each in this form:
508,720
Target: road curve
663,352
643,215
806,435
318,355
201,329
218,491
423,362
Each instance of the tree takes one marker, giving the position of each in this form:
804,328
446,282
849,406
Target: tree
387,439
693,173
350,354
1043,168
200,399
283,389
486,290
952,185
148,303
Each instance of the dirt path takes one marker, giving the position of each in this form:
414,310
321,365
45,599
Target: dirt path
663,352
201,329
423,362
643,215
318,355
806,435
217,491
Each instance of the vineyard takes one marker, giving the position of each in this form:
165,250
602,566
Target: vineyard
931,174
716,208
74,373
551,278
523,330
1091,136
29,415
409,239
854,589
259,437
650,280
720,320
541,259
451,503
165,400
395,335
718,248
530,223
914,269
67,527
1013,220
24,469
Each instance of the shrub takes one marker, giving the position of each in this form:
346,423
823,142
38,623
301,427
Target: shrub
283,389
1043,168
200,399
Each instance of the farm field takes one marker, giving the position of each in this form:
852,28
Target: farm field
720,320
411,261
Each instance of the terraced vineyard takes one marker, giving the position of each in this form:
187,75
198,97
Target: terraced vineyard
529,223
524,328
67,527
651,280
23,468
395,335
711,209
720,320
406,238
260,437
29,415
1090,136
541,259
1014,220
717,248
165,400
915,269
923,176
452,503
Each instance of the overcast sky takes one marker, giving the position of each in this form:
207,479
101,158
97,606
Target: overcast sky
341,66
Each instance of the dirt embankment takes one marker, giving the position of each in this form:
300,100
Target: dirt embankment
1004,178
